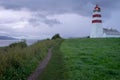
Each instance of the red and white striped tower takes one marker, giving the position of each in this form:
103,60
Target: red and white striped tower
97,30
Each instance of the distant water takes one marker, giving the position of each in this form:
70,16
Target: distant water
8,42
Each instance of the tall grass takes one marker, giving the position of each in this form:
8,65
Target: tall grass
18,61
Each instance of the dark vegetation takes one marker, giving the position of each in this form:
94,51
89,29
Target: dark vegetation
18,61
56,36
21,44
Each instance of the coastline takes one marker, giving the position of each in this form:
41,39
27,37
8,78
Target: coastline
4,43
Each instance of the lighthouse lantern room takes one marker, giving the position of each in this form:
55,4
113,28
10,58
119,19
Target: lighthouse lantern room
96,30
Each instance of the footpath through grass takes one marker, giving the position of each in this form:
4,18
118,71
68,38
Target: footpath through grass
18,60
91,59
55,68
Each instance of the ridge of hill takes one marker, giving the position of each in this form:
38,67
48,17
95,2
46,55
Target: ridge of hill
6,38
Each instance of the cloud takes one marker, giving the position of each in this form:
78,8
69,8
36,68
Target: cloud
44,18
24,22
39,18
62,6
73,25
28,24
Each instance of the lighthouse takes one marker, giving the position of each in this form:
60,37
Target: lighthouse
96,30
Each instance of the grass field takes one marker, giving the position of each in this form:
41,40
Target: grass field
72,59
84,59
92,59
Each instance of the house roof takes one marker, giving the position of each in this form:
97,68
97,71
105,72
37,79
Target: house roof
111,31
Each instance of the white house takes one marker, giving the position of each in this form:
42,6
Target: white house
110,33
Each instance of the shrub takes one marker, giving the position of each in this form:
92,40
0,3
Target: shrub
56,36
21,44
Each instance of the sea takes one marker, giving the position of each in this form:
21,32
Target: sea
4,43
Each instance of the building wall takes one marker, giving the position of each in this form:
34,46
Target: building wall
111,36
96,31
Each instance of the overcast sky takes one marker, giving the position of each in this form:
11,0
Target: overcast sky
40,19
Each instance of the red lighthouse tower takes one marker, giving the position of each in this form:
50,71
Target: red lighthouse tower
97,30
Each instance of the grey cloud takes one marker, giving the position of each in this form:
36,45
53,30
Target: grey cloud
61,6
39,18
51,22
8,21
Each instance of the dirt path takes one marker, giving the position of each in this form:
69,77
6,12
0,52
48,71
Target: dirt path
41,66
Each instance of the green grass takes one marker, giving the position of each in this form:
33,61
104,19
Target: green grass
18,61
92,59
72,59
55,68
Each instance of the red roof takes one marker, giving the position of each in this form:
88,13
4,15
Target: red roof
97,7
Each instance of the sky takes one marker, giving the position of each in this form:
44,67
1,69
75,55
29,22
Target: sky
41,19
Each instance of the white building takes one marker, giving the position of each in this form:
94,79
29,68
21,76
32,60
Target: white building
97,31
110,33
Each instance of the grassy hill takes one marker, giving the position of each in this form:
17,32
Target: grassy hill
72,59
85,59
